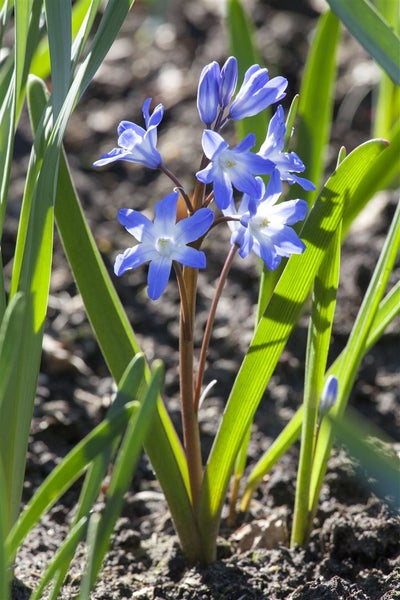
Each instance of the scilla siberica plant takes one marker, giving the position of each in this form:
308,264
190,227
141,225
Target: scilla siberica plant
259,221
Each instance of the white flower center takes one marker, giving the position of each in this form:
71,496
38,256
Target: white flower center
260,222
165,246
227,160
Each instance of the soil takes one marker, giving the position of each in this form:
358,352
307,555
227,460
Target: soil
354,549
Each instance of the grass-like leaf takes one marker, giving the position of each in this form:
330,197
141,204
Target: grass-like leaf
242,44
4,573
319,338
131,386
63,555
346,368
58,16
314,115
367,25
66,472
138,429
364,443
273,331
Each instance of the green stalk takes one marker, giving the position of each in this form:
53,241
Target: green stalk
319,335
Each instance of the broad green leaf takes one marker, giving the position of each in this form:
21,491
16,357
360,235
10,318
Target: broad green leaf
318,342
4,575
116,338
129,388
366,24
63,555
243,46
66,472
387,99
346,368
314,115
388,309
364,443
381,175
10,334
137,430
58,17
273,331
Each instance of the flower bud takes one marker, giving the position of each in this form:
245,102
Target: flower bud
208,93
329,395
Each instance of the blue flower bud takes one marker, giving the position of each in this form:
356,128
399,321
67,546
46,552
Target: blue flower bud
208,93
329,395
229,76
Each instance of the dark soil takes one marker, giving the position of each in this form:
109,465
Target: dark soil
354,548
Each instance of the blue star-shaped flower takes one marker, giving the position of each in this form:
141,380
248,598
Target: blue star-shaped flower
163,241
286,163
262,226
231,167
136,144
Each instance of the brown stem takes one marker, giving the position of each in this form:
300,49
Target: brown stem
210,323
191,433
178,184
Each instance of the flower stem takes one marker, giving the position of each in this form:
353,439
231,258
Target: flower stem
210,323
180,187
190,426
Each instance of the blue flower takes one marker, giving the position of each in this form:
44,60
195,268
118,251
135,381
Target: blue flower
262,226
136,144
231,167
216,87
256,93
162,241
286,163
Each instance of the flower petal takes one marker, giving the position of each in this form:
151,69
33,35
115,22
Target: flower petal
289,212
158,276
213,143
193,227
190,257
131,258
165,214
134,222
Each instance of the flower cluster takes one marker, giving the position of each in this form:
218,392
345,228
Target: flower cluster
259,223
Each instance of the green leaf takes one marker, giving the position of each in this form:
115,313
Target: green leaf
58,16
130,387
318,342
117,340
243,46
125,464
66,472
380,176
388,309
63,555
347,366
366,24
4,575
288,436
10,333
364,443
273,331
316,100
